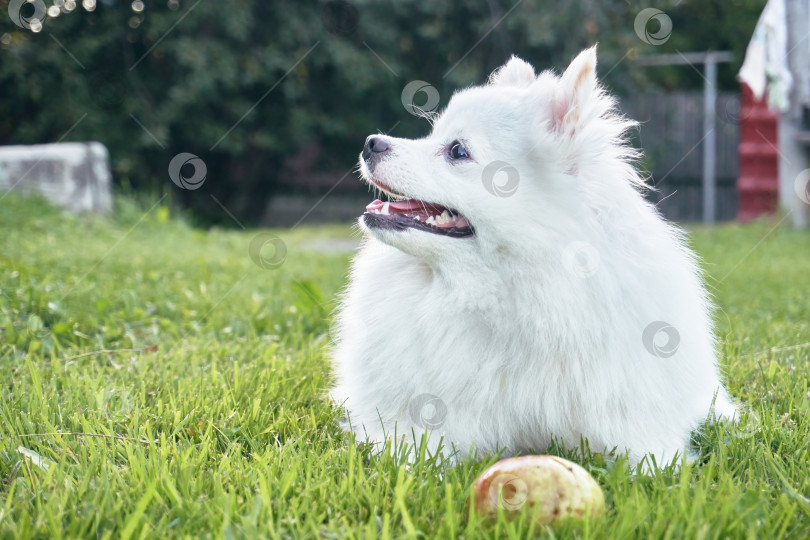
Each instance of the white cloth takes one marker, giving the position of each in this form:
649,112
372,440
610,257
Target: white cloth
765,66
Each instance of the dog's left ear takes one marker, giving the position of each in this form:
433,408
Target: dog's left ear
576,88
515,72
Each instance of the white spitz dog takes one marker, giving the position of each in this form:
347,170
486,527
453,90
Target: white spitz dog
517,287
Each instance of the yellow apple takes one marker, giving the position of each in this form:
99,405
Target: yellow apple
549,487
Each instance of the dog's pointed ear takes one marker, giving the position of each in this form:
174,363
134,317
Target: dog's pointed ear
515,72
576,88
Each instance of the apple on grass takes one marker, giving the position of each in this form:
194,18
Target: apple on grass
552,487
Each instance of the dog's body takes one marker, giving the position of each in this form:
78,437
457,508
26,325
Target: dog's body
519,317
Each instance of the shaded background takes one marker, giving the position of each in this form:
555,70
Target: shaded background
277,97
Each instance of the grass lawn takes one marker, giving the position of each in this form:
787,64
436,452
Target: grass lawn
156,382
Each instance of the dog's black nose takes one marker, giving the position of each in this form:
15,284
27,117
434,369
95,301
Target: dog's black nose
374,145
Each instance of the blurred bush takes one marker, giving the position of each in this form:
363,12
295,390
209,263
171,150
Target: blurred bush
279,95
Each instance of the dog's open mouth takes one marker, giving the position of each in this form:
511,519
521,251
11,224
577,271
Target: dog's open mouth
413,214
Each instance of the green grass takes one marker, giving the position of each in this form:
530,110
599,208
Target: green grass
212,371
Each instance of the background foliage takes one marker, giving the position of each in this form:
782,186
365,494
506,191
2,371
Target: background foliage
279,95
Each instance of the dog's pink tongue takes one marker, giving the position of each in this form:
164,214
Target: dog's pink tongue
406,205
377,204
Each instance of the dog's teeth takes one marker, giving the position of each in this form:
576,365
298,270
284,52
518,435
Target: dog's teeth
431,220
385,209
416,218
444,218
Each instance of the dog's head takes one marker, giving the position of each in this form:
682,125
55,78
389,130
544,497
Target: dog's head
504,161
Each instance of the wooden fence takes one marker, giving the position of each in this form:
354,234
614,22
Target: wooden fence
671,136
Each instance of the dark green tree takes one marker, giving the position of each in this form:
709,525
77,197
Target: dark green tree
279,95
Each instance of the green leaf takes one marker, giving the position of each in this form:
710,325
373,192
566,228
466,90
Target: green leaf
309,293
35,323
61,328
772,369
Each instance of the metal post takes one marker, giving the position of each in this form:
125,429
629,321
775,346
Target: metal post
709,144
792,153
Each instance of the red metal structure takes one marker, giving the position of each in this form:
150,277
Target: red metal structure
758,183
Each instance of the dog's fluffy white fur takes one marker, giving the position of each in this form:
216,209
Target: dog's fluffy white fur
574,311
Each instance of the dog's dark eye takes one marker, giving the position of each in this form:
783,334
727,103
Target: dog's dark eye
457,151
